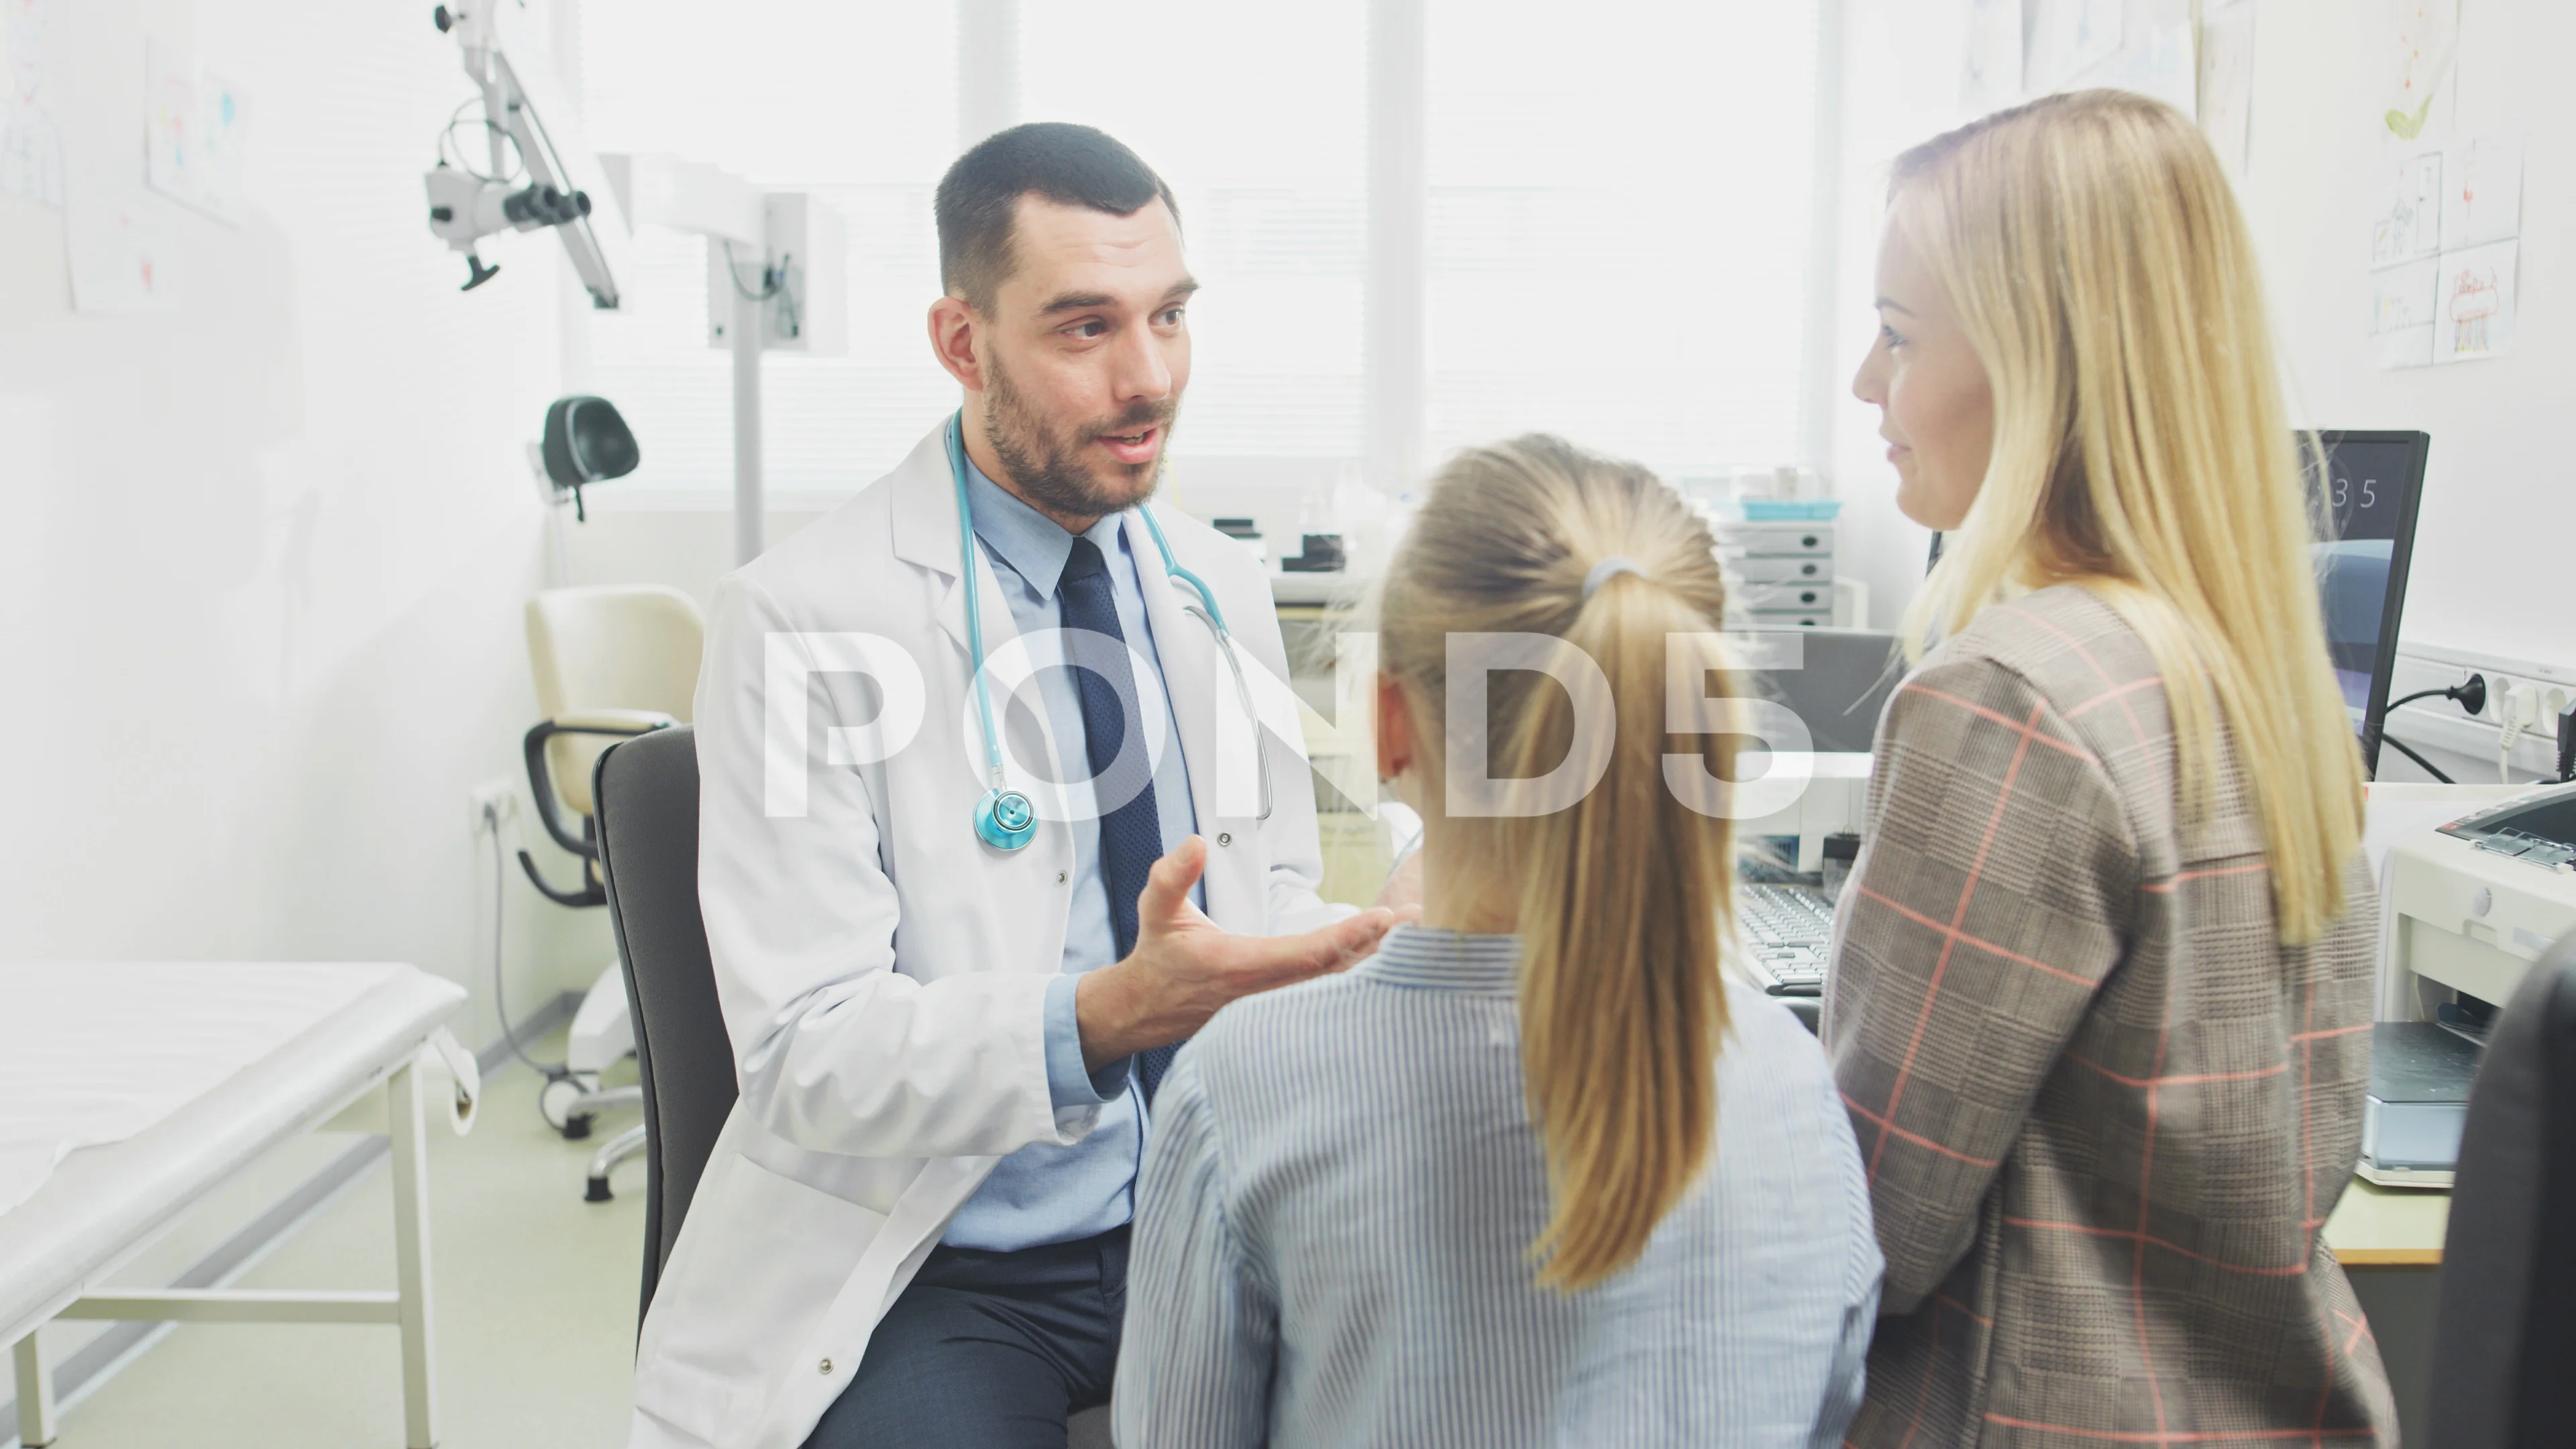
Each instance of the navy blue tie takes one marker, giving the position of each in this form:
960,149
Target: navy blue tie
1131,836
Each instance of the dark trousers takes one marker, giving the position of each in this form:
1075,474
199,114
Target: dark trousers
988,1351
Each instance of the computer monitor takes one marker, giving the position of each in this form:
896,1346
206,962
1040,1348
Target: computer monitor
2372,484
2374,480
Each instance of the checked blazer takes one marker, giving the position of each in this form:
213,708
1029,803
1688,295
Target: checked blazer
2103,1112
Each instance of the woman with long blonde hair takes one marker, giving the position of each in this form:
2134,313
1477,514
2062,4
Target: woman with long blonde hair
2101,990
1537,1173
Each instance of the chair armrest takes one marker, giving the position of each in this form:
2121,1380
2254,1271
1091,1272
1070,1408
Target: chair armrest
620,723
609,722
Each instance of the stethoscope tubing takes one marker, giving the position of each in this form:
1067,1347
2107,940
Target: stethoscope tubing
1207,612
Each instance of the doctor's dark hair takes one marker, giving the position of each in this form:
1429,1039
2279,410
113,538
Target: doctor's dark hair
1067,164
1623,899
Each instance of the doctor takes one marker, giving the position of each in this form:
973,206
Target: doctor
954,965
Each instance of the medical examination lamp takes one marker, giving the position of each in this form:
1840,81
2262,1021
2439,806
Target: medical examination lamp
585,442
528,188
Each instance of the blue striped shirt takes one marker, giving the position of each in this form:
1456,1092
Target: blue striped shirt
1339,1195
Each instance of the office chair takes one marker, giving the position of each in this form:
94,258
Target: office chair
610,663
646,800
2504,1336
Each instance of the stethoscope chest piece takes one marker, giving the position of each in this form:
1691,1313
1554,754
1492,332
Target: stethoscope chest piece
1005,820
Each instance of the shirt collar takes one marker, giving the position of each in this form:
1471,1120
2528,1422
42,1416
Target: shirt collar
1034,545
1425,956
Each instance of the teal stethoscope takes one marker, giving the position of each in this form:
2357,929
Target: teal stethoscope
1005,818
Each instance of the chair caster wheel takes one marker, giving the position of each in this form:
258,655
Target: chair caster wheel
557,1101
597,1191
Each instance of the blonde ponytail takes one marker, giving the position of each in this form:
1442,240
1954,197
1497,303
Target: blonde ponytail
1623,896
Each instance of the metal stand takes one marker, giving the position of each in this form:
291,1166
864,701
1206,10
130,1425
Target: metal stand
35,1395
748,522
407,1307
618,1148
411,1257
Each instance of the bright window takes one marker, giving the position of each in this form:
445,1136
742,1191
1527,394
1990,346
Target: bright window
1618,225
1617,220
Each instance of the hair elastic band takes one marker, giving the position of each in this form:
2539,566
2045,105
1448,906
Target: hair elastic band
1608,569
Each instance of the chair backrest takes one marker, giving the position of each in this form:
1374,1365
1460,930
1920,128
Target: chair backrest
2504,1337
614,646
647,788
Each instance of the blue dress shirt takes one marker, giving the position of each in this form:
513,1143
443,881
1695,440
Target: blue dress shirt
1044,1193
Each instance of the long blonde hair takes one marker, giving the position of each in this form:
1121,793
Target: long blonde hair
1622,897
2096,259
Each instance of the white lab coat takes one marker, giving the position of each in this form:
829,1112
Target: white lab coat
884,970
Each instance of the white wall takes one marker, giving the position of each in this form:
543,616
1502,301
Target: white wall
264,554
2498,524
2496,541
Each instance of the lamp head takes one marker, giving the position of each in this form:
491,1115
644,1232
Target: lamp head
586,442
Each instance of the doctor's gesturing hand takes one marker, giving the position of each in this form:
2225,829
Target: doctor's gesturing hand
1186,966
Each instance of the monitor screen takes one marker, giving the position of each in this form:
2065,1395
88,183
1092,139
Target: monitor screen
2371,487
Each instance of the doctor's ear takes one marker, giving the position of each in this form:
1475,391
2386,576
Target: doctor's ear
954,331
1396,744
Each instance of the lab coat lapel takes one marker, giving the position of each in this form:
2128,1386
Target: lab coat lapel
1200,685
926,534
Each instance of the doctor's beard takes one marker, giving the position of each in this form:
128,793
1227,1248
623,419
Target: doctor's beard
1048,470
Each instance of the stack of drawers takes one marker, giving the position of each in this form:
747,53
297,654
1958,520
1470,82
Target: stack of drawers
1779,574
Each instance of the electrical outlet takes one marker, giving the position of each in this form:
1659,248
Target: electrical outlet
2526,703
502,796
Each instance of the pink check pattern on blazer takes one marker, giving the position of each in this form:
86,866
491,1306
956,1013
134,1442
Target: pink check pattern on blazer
2103,1111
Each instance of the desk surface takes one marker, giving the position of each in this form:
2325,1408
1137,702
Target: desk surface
2388,1227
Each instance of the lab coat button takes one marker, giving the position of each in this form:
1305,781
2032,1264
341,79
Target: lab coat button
1059,877
824,1367
1224,838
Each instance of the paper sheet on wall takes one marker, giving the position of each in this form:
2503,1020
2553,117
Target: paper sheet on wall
2066,38
2423,56
2402,312
2482,192
31,141
193,132
117,246
2476,303
1991,79
2444,257
2227,82
2406,223
2131,45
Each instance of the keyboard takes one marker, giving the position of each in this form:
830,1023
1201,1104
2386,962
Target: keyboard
1789,929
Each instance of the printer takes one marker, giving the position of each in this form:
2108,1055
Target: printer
2418,1103
2470,906
2474,903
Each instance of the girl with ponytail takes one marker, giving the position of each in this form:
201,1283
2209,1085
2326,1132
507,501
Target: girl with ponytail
1539,1172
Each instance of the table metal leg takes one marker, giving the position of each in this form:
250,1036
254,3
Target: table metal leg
35,1394
411,1257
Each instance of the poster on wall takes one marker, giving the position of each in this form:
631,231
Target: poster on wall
192,133
31,143
2476,300
2018,49
2445,254
2423,57
1991,79
118,249
2069,37
2227,81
